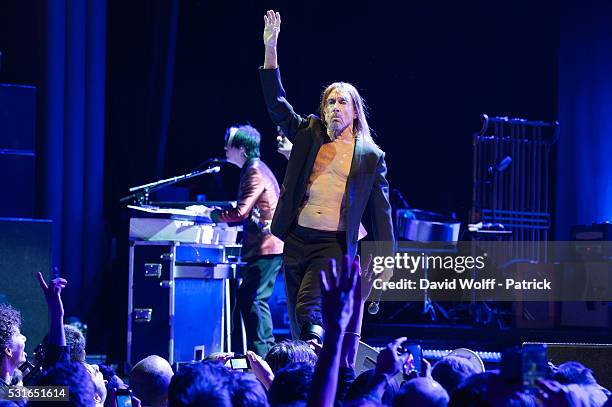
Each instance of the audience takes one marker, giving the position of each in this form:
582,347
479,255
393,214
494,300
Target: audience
286,352
75,340
200,384
421,392
452,370
149,380
291,384
577,373
12,344
247,391
75,376
359,389
291,374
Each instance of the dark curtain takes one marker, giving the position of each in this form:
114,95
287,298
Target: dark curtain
71,142
140,78
584,186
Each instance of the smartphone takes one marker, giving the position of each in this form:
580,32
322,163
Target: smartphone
240,362
414,356
123,397
534,365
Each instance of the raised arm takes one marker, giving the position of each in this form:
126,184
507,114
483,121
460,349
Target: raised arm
272,21
53,296
280,110
57,349
350,343
337,296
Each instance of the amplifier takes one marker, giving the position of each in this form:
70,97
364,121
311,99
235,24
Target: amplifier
592,241
178,300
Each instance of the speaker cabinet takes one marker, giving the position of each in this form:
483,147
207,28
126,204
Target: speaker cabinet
25,249
17,146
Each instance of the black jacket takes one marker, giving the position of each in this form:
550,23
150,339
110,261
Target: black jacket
367,189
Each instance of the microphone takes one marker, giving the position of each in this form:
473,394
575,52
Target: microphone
374,305
501,166
504,164
373,308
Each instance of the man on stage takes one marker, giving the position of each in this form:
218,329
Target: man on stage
334,178
257,199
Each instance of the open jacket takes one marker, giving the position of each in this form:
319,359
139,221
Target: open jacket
367,190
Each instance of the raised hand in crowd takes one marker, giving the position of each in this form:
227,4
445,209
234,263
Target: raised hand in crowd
337,299
350,344
220,357
53,296
261,369
390,360
389,363
338,294
410,370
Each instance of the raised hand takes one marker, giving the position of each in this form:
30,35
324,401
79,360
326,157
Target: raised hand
338,294
272,21
53,293
261,369
220,357
390,361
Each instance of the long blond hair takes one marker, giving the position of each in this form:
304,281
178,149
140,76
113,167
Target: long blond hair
360,124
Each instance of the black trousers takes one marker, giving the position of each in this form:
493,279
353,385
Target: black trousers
257,285
307,252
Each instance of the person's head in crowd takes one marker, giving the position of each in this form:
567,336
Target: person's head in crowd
452,370
421,392
577,373
286,352
149,380
363,403
76,340
12,342
201,384
247,391
574,373
73,375
291,384
359,387
489,389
